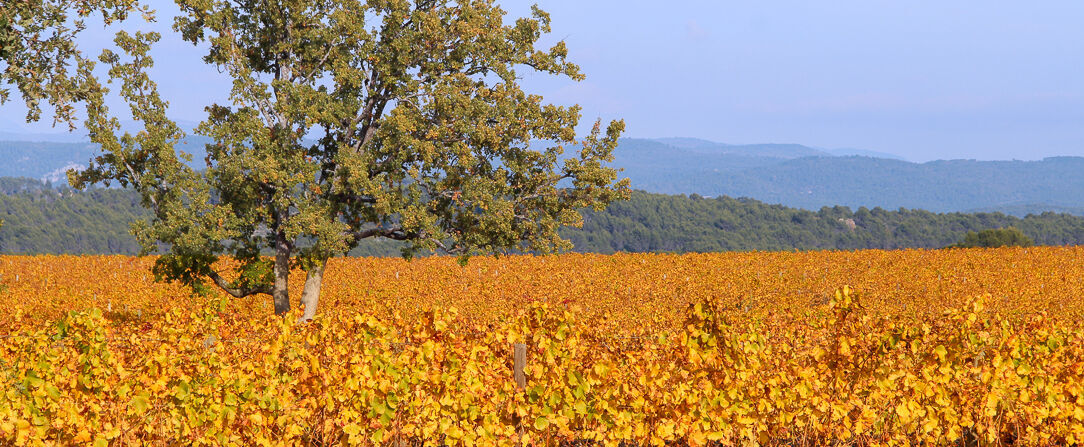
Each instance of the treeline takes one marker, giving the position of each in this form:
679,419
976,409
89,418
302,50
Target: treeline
43,219
664,223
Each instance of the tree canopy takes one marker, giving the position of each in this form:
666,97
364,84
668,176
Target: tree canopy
995,237
348,120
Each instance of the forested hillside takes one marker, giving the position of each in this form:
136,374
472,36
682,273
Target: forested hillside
656,222
43,219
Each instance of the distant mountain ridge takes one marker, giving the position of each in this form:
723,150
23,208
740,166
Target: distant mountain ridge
49,161
1024,209
789,174
58,134
864,153
804,177
772,150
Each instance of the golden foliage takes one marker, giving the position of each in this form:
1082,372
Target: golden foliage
935,347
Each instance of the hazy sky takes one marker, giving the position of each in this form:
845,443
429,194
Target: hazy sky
920,79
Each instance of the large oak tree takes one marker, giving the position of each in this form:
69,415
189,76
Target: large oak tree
347,120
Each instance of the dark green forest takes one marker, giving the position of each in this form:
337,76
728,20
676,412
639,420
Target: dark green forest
656,222
41,218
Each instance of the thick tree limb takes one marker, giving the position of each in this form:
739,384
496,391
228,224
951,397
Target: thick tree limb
395,233
238,292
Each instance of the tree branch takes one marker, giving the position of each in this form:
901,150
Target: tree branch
237,292
320,64
394,233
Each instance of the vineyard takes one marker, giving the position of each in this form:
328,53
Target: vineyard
933,347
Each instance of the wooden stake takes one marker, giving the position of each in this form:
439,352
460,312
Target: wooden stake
518,364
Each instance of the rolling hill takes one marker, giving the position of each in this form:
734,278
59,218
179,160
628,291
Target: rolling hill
789,174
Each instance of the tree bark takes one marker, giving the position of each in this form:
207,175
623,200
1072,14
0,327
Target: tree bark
310,297
280,293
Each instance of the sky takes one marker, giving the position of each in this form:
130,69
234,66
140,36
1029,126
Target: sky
924,80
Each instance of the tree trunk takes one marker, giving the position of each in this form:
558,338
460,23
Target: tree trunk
310,297
280,293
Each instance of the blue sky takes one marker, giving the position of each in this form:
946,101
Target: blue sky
920,79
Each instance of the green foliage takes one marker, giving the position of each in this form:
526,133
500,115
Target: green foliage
995,237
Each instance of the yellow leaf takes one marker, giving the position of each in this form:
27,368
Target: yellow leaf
82,436
139,403
903,412
697,438
666,431
941,352
540,423
991,405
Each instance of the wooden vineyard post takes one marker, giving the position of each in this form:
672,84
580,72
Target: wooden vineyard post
518,364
